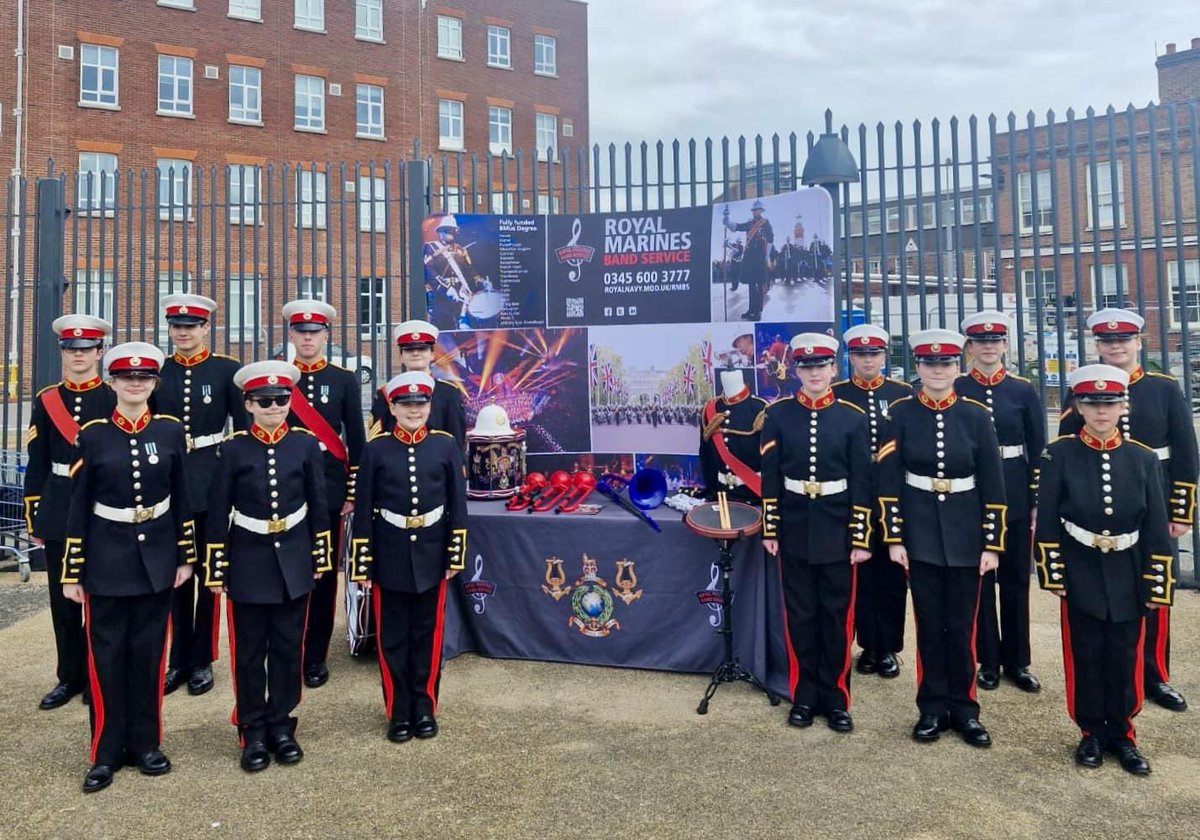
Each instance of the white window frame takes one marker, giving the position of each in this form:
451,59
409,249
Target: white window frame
106,62
546,125
94,293
312,199
1103,281
373,292
1045,209
308,113
856,223
910,216
499,129
174,189
182,88
247,90
1029,283
372,206
504,202
499,47
1192,276
312,287
368,20
449,37
546,204
450,114
1104,203
892,214
188,5
874,266
170,283
928,215
98,194
243,289
241,211
452,200
545,55
372,128
310,15
874,222
246,10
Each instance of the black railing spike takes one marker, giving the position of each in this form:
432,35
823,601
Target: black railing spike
1091,112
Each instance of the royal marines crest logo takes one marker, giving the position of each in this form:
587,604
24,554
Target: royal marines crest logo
593,600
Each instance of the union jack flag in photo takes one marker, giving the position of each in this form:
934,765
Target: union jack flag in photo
706,357
610,379
689,376
594,367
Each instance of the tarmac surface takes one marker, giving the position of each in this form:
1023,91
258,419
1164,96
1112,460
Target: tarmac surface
541,750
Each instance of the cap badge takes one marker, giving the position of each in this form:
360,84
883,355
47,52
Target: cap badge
307,316
183,310
865,340
412,389
415,336
989,326
272,380
77,331
808,349
1112,325
935,348
1101,385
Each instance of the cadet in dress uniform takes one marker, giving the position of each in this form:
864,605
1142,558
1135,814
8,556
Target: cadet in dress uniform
416,340
130,541
410,538
760,239
268,538
328,402
197,387
943,511
1020,422
882,598
729,441
58,411
1158,417
816,471
1103,546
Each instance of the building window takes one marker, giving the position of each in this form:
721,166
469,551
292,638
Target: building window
546,137
96,183
246,9
452,200
368,20
856,223
978,211
499,47
245,94
311,288
372,307
1190,301
874,265
311,201
450,123
545,55
98,75
547,204
1041,216
174,189
178,4
449,34
310,14
893,219
1029,284
174,85
873,221
310,103
369,120
243,316
910,216
94,293
1104,196
504,202
372,204
499,130
1105,287
243,183
928,215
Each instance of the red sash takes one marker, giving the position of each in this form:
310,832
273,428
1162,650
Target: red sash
736,466
319,426
59,416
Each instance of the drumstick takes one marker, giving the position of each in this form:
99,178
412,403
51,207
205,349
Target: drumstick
723,509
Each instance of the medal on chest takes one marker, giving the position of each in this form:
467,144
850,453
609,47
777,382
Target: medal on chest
206,393
152,452
325,393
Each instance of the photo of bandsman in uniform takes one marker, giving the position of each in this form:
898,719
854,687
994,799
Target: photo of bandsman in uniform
882,592
130,541
327,401
196,386
943,511
1103,546
816,488
409,540
58,412
1020,422
267,541
1158,417
417,340
451,280
755,255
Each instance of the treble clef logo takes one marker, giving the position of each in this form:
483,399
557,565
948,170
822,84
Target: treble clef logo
711,596
478,588
573,254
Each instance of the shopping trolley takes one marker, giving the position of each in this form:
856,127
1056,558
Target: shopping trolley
14,538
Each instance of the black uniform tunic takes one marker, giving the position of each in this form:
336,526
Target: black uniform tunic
739,420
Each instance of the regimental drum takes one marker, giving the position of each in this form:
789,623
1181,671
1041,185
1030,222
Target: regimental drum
495,456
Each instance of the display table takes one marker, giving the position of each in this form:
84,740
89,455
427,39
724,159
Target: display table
609,590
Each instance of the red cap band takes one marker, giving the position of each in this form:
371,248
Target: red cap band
1115,328
987,328
409,338
194,311
271,381
132,363
813,351
410,388
1098,386
309,318
867,342
81,332
937,350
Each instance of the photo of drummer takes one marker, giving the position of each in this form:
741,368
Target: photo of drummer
459,291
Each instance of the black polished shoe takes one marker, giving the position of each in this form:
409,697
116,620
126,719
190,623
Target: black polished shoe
98,778
1132,761
316,675
988,679
399,731
255,757
1090,752
930,727
286,749
152,763
887,666
1164,695
974,733
426,727
1024,680
60,695
839,720
866,663
201,680
800,716
751,316
172,680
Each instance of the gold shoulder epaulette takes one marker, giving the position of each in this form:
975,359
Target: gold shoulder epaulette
839,382
378,433
454,383
339,367
851,405
974,402
167,417
895,403
760,399
1139,443
300,429
236,433
1018,376
48,388
441,432
1061,437
93,422
227,356
907,385
1161,375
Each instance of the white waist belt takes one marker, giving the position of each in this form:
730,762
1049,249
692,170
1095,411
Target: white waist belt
1104,542
133,515
1163,453
1017,451
270,526
202,441
813,489
409,523
939,485
730,479
60,469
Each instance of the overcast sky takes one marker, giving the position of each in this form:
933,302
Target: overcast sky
662,69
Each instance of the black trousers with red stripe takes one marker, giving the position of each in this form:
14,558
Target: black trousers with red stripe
1102,661
127,654
195,620
819,602
67,619
880,604
324,606
1005,642
1157,654
410,649
265,650
945,601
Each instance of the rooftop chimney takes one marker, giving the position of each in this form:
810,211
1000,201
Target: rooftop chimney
1170,49
1179,74
1196,43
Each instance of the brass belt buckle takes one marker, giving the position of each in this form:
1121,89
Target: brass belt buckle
1105,544
189,443
276,526
141,514
812,489
414,522
941,485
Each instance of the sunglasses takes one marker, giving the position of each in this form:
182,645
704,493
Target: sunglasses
267,402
